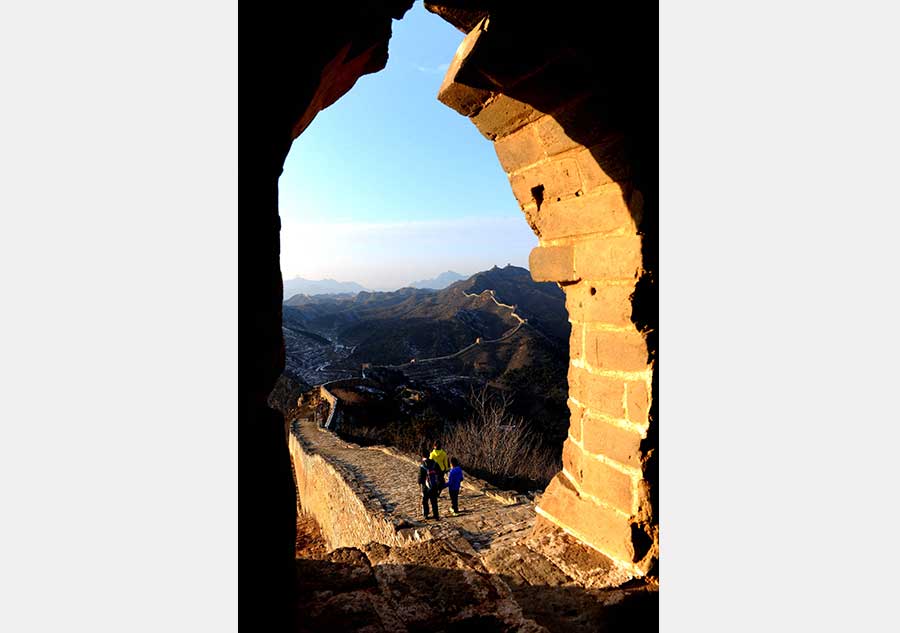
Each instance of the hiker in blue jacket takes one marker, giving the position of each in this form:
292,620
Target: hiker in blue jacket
431,480
454,481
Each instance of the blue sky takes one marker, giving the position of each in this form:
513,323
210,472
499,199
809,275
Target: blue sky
388,185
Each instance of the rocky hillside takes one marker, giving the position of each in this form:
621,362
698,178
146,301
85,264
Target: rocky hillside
327,333
543,304
497,328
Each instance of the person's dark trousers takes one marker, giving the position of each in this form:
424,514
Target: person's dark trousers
429,496
454,499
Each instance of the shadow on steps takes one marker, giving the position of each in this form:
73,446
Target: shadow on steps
349,592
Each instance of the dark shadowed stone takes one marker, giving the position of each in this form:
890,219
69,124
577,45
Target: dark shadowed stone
376,552
436,553
348,556
585,565
354,612
517,564
322,575
462,18
464,89
428,596
575,610
479,622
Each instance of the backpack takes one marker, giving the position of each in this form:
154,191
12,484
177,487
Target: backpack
433,479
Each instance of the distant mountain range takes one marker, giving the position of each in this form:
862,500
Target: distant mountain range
441,281
301,286
313,287
327,336
498,326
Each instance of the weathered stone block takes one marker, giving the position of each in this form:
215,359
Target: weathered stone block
503,116
598,393
576,413
467,100
603,528
602,438
572,458
555,179
553,137
599,303
638,402
620,351
636,206
558,83
602,212
518,149
584,119
608,484
604,163
613,257
463,89
513,49
463,19
576,342
552,263
526,195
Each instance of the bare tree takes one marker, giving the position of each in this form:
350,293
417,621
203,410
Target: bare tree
499,445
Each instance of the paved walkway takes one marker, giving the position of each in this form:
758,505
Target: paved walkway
493,568
488,518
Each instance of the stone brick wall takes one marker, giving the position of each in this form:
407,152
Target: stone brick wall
333,406
553,83
569,168
346,511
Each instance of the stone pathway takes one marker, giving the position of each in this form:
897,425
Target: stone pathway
489,517
496,567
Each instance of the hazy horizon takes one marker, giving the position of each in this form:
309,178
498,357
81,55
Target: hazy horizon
389,186
425,277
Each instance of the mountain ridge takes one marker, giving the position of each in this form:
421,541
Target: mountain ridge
331,336
498,328
312,287
439,282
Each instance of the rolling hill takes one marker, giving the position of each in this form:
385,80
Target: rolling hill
441,281
497,327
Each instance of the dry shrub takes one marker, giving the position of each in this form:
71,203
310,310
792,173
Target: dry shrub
362,435
499,447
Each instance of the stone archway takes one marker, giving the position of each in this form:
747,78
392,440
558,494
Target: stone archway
570,158
562,98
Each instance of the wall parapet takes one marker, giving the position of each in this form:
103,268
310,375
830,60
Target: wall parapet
348,514
332,400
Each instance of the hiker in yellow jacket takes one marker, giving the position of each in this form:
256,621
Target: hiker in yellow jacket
439,456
